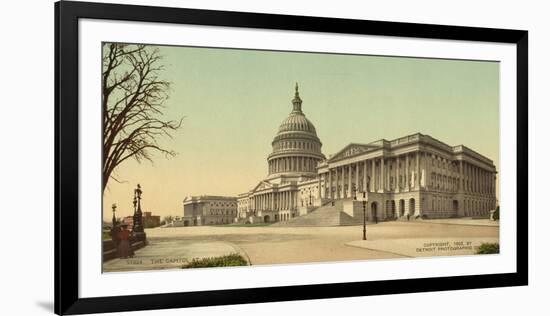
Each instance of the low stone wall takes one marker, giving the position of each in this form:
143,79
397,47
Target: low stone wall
110,252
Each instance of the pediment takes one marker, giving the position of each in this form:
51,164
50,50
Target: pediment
351,150
262,185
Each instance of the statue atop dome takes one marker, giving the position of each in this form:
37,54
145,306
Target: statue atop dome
297,102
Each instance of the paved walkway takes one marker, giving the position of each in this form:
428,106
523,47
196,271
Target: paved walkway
462,221
423,247
285,245
170,254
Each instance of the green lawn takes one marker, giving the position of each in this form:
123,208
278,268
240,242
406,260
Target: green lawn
231,260
488,248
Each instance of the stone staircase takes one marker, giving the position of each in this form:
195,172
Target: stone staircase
326,215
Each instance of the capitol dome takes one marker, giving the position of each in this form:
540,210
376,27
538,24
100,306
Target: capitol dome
296,147
297,121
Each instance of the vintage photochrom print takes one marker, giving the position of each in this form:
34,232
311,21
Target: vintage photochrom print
223,157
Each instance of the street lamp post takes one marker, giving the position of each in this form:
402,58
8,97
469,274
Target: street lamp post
364,210
114,217
138,219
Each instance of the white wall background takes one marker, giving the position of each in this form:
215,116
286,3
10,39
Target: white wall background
26,168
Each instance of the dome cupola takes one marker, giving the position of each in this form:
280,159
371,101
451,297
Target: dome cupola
296,147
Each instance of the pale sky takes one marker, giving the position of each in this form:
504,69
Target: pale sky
234,100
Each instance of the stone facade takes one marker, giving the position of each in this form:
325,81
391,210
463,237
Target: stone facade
209,210
409,177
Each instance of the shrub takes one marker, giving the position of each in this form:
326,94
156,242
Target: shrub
496,214
231,260
488,248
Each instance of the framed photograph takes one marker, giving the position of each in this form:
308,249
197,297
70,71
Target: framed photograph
210,158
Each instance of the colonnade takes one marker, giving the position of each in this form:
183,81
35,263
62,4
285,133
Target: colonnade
271,201
407,172
476,180
381,174
290,164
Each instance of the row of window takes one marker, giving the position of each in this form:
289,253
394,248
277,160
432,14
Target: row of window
223,204
297,164
296,145
222,212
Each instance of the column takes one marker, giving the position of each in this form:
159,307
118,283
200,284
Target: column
465,169
460,176
287,197
357,178
373,187
417,172
478,174
397,175
388,174
286,201
343,180
350,194
365,176
330,184
487,182
477,180
407,182
473,179
468,179
319,188
337,188
480,180
424,171
494,184
483,181
288,164
382,180
428,162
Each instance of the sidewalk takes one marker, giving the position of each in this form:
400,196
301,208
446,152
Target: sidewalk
170,254
425,247
461,221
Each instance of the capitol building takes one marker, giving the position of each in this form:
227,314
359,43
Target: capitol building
412,177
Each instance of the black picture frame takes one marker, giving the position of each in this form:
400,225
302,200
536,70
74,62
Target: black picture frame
67,15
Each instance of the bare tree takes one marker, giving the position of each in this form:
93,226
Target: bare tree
133,98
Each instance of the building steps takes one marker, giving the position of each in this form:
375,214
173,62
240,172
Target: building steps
326,215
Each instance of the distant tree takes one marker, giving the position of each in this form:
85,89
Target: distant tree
133,97
168,219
